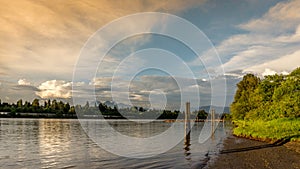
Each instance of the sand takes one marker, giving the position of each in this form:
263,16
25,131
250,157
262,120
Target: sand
240,153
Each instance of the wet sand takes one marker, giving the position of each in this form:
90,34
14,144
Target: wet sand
240,153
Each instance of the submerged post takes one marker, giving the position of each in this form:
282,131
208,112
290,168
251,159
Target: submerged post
212,122
187,137
187,120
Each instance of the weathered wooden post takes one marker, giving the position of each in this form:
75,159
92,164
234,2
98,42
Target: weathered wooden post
187,137
212,122
187,119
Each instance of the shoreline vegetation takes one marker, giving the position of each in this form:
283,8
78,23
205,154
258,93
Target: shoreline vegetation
268,109
59,109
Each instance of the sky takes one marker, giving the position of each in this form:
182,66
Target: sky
44,43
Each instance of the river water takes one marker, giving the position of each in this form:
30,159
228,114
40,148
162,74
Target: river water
63,143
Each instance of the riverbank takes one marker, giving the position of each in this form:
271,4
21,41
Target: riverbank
245,153
286,129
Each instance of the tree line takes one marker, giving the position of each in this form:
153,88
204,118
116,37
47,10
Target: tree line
272,97
54,107
60,109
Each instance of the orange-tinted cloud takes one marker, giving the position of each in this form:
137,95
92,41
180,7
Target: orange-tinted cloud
39,36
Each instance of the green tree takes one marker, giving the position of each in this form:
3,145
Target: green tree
67,107
72,111
275,96
35,103
103,108
20,103
141,109
296,72
242,102
202,114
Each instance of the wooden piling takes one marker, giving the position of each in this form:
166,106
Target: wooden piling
212,122
187,119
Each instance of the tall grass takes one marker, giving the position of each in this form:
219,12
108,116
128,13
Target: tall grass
283,128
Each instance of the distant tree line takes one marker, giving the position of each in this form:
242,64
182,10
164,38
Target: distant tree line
274,96
57,108
60,109
135,112
200,114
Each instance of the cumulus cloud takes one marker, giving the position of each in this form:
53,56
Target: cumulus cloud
23,82
268,72
54,89
281,65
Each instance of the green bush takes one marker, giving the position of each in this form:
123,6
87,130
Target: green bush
282,128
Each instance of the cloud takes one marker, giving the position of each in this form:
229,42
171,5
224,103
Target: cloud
23,82
15,92
293,38
38,36
42,39
283,64
268,72
176,90
284,16
101,82
55,89
273,38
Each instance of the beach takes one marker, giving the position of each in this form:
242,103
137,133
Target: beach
240,153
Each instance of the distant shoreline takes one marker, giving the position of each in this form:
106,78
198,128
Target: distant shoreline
52,116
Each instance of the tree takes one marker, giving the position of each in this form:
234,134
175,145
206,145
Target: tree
48,103
275,96
35,103
296,72
27,107
141,109
67,107
242,102
61,106
20,103
202,114
86,106
19,107
72,111
102,107
54,106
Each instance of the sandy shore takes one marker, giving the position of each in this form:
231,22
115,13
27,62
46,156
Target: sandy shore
240,153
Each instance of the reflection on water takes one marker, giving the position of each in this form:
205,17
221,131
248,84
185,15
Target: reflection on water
145,129
55,143
187,144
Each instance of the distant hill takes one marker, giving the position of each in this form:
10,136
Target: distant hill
120,105
218,109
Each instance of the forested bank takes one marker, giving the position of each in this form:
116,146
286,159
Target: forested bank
268,108
49,108
60,109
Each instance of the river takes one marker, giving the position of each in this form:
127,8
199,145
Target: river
63,143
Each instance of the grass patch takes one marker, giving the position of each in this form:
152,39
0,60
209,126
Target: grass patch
283,128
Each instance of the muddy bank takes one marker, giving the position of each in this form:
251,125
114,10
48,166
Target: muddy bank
244,153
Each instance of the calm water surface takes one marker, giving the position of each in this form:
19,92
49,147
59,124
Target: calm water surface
56,143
